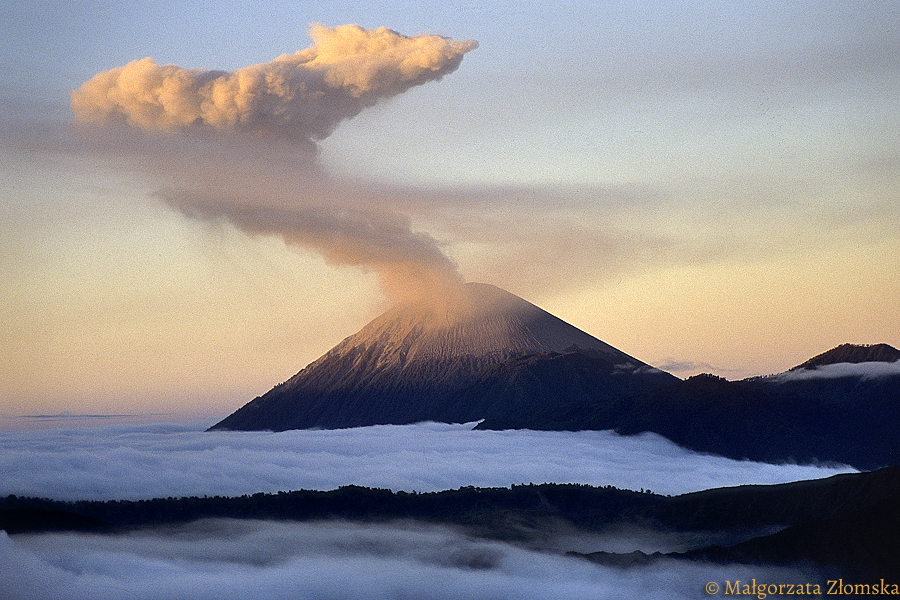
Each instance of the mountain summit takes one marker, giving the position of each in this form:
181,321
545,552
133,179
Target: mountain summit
452,363
852,353
482,321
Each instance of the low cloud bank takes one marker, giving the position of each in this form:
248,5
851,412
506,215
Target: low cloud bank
249,559
146,461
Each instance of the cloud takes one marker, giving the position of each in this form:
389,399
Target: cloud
240,146
686,368
227,559
145,461
673,365
303,95
409,263
866,370
249,559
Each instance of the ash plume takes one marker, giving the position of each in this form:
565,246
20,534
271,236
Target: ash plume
241,146
302,95
410,264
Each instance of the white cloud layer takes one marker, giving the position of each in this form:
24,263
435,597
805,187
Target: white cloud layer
226,559
262,560
145,461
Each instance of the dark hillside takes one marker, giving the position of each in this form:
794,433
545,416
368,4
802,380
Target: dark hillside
849,419
852,353
846,525
537,386
490,511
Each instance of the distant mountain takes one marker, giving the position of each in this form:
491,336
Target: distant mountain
852,353
825,414
481,355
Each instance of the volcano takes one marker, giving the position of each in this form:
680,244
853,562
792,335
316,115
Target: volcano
483,353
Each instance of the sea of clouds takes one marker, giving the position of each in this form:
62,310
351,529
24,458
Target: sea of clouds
172,460
226,559
257,560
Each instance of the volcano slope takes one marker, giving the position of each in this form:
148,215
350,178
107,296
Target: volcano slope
486,354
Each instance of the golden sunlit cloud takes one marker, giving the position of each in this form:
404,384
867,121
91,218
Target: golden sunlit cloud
280,190
302,95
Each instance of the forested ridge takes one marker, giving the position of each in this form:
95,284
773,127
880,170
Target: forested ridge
846,524
583,504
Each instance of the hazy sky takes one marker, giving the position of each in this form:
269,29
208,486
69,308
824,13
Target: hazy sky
708,186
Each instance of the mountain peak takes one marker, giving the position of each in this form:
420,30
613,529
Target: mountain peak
852,353
438,361
481,320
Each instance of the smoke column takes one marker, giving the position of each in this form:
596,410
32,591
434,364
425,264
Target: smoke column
295,99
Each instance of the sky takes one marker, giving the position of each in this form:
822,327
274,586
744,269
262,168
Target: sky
707,186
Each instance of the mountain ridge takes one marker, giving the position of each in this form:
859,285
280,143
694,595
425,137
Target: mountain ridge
845,525
852,353
849,419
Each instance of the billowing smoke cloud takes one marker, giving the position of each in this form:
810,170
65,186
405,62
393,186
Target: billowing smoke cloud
146,461
273,113
302,95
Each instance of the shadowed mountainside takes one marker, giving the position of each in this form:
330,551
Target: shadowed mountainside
845,415
846,525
